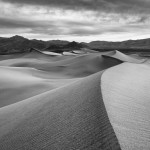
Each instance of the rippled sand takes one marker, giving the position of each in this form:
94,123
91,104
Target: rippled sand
86,101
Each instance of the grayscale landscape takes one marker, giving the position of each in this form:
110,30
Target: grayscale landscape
74,75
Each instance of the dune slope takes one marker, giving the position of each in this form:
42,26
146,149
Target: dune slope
90,101
22,78
71,117
125,90
17,84
79,66
122,57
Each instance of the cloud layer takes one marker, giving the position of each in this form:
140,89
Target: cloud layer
75,19
117,6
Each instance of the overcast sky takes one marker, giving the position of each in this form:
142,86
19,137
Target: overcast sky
80,20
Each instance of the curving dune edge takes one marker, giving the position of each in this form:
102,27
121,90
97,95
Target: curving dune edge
74,101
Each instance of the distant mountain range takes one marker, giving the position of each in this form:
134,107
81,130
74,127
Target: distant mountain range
133,44
19,44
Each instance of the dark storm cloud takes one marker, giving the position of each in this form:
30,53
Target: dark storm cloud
143,19
18,23
44,27
95,31
114,6
12,23
47,27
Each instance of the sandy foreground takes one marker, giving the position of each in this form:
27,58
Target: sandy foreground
126,96
82,101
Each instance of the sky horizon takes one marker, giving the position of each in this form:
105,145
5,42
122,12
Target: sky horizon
75,20
49,39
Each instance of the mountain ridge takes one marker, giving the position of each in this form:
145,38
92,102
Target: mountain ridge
19,44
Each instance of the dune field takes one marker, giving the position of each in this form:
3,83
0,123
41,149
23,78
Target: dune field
77,100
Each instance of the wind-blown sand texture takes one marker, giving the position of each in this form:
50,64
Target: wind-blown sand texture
127,99
87,101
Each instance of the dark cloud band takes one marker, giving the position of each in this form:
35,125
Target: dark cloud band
115,6
86,18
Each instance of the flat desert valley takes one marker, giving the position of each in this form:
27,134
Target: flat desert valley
78,100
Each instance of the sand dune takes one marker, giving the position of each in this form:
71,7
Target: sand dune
70,117
23,78
79,66
52,53
69,53
86,101
84,51
125,58
125,91
37,54
43,56
17,84
11,56
79,52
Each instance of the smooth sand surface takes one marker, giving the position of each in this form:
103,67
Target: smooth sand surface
79,66
91,101
17,84
126,94
51,53
69,53
79,52
22,78
71,117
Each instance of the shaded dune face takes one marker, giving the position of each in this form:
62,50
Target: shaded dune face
122,57
79,66
39,55
35,55
72,117
125,90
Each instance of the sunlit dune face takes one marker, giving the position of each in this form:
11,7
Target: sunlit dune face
71,20
125,91
51,53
